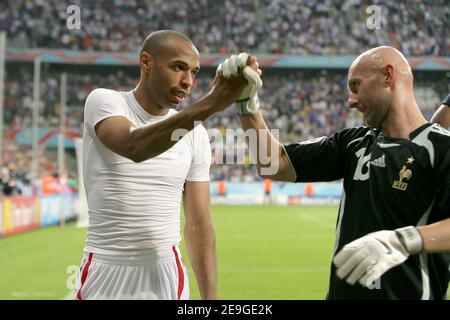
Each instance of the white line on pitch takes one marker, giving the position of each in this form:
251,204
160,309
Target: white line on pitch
69,296
273,270
307,217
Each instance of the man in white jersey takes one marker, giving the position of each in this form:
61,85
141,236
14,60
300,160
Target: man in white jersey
136,174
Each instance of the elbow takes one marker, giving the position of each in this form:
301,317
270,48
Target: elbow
277,173
137,155
138,151
136,159
267,172
133,153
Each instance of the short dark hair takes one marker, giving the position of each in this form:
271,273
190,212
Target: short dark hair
158,41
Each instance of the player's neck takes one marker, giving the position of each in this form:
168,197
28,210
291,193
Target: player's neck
403,118
146,102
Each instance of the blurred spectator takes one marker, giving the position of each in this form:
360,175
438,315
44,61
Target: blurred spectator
10,185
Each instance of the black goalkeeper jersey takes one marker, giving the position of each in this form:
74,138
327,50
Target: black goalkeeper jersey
388,183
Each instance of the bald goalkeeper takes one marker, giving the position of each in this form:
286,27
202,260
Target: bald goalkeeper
393,224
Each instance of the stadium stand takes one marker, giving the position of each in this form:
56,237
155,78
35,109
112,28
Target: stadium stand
281,27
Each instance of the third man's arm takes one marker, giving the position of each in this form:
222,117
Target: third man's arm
442,115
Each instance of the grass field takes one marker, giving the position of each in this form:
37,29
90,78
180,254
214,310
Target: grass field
264,252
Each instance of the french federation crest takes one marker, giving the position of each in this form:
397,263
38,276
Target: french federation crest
404,174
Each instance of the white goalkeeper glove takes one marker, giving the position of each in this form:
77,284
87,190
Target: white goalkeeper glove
369,257
248,101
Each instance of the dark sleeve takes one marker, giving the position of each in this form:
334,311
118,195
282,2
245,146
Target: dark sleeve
447,101
321,159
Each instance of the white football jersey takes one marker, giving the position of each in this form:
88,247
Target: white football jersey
136,206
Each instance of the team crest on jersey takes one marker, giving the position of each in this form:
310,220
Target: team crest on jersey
404,174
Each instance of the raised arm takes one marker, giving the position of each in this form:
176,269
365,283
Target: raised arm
272,161
139,144
264,147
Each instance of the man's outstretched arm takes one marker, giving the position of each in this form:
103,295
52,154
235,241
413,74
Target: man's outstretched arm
271,160
139,144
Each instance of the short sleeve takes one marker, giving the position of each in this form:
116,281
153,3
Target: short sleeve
201,160
101,104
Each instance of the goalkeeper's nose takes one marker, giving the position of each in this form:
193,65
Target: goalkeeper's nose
353,102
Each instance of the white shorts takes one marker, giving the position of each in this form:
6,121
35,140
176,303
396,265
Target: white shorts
158,275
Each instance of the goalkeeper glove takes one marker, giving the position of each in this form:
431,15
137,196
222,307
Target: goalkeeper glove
369,257
248,101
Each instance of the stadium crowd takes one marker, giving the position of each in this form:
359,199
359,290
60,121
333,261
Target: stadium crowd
302,104
260,26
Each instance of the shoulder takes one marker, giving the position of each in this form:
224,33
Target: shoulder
436,140
101,95
434,134
357,132
440,138
354,136
103,103
199,136
201,130
440,132
102,92
341,139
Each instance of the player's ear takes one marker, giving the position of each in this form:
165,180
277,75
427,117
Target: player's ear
388,73
145,61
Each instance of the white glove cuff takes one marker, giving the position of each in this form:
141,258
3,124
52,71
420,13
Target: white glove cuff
247,107
411,239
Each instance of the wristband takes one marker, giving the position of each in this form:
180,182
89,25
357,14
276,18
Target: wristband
411,239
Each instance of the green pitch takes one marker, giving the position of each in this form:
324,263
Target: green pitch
264,252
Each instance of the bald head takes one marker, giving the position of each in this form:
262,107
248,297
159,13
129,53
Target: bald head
161,41
376,59
380,83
